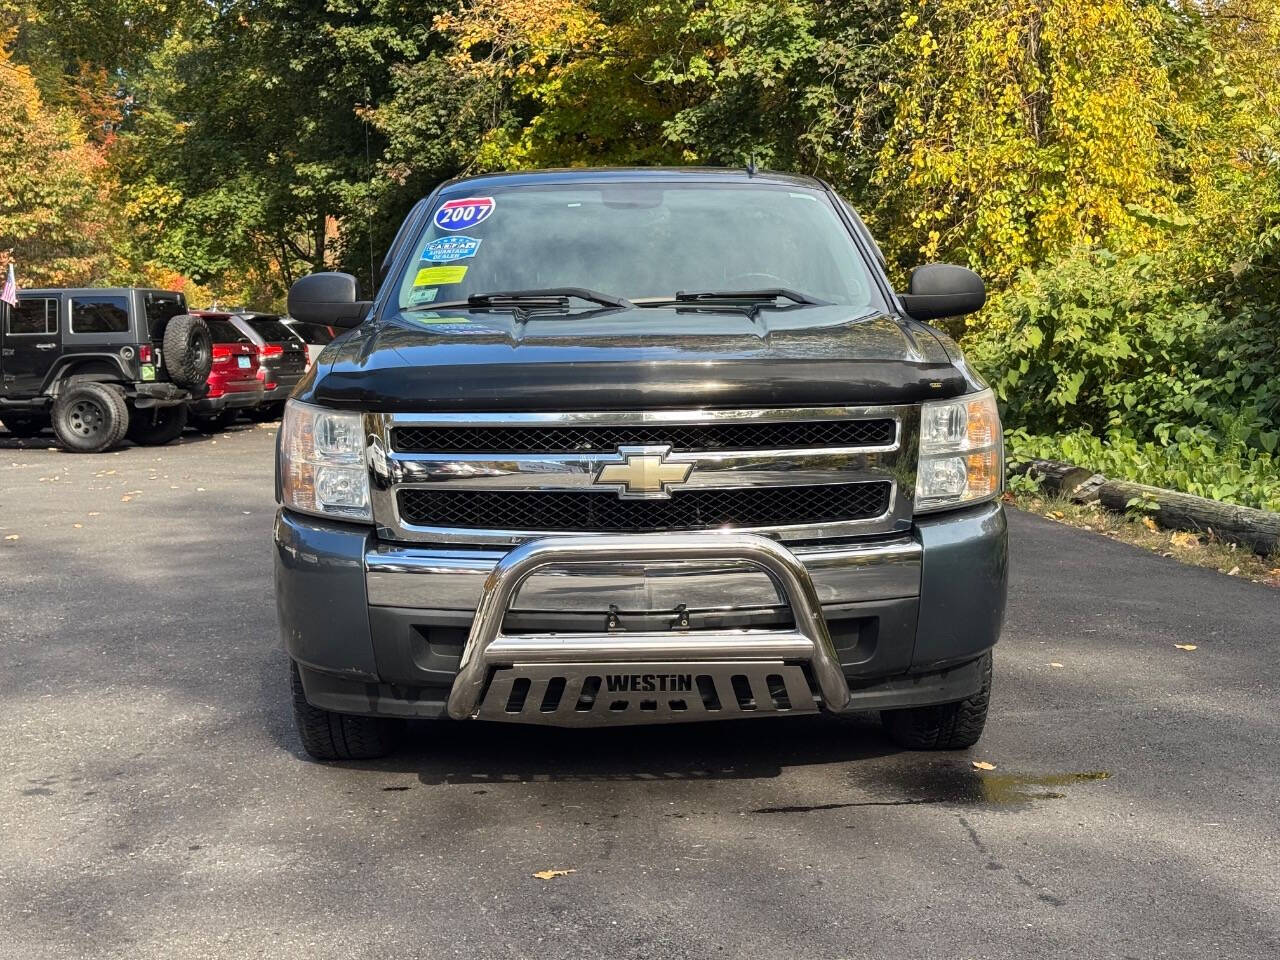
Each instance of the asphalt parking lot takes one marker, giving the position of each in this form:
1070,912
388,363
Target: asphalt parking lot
154,800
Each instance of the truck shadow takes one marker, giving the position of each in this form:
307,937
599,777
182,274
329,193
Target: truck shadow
446,752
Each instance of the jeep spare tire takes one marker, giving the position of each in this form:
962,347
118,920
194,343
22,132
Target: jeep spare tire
188,350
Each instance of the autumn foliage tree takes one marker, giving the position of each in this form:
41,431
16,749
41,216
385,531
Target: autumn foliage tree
53,218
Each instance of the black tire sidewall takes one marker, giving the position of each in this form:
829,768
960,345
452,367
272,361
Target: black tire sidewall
156,426
188,350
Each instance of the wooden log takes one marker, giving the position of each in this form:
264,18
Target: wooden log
1055,476
1258,529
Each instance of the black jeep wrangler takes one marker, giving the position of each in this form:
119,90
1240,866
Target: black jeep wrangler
101,364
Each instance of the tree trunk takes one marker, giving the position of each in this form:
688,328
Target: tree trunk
317,252
1055,476
1259,529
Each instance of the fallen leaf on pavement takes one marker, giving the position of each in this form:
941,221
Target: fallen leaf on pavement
1233,571
12,536
552,874
1185,646
125,499
77,525
983,765
1055,664
1058,514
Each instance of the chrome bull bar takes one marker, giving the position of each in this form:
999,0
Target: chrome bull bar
488,647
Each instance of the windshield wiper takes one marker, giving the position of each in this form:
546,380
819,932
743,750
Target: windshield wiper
551,298
749,296
748,301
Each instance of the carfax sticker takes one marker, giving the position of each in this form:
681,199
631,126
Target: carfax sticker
422,295
439,276
463,213
448,249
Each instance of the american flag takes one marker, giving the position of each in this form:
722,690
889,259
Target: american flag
10,292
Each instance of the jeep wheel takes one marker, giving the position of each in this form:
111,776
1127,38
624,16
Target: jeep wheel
23,426
188,350
338,736
948,726
89,417
154,426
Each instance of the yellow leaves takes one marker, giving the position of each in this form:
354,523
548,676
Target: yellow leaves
1184,540
1149,524
552,874
983,765
1185,646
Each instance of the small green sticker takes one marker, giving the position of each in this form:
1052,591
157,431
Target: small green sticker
148,371
422,295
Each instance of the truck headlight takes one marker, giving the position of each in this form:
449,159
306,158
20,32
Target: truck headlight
961,452
322,462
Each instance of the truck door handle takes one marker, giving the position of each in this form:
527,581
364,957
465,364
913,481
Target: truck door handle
46,346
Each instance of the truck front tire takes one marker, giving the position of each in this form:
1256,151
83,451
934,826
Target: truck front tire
89,417
947,726
332,736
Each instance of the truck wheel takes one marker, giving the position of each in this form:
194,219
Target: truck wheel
188,350
22,426
89,417
155,426
947,726
338,736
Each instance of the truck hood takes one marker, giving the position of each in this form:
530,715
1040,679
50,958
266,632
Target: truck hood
633,359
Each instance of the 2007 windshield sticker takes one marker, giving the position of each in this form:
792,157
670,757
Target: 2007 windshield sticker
464,213
448,249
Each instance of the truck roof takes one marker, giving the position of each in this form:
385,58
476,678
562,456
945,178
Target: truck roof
631,175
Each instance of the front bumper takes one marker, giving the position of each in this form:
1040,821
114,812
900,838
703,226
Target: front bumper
378,628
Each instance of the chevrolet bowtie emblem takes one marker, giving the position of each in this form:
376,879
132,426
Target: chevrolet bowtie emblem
643,472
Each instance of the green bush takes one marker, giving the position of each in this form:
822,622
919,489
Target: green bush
1195,462
1113,364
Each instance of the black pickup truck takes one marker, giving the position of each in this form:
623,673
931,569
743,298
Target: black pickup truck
636,446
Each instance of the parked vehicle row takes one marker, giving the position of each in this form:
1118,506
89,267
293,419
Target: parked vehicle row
99,365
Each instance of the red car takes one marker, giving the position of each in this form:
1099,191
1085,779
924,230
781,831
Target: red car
236,382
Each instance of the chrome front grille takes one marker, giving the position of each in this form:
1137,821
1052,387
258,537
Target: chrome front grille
494,479
767,435
604,512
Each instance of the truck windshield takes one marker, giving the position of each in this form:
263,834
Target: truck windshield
636,240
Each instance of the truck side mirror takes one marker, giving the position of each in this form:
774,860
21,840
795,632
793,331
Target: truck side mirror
332,299
943,290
